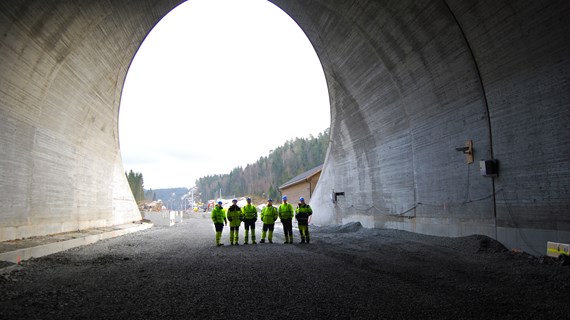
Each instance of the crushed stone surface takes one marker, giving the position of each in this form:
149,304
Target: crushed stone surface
347,272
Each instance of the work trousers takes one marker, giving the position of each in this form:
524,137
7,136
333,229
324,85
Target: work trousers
249,224
234,234
219,227
288,228
304,232
266,227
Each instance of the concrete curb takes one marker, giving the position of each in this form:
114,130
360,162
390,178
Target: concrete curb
43,250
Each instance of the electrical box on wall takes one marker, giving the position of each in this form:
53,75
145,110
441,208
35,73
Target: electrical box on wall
489,168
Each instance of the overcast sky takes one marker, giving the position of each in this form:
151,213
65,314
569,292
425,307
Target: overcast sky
215,85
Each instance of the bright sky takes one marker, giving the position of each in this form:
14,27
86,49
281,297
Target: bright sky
215,85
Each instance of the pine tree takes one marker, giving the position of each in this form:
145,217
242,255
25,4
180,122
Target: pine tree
136,184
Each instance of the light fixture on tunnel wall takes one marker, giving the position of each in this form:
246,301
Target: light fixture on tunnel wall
468,151
334,196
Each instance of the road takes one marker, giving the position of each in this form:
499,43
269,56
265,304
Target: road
346,272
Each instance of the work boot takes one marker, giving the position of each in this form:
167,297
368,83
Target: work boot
290,240
270,241
286,240
262,241
308,240
302,240
245,242
253,242
219,244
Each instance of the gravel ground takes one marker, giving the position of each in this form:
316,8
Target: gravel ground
346,272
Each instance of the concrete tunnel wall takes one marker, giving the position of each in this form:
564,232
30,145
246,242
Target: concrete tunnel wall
409,82
62,69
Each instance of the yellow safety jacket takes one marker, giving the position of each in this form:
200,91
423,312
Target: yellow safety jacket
234,215
249,211
218,214
302,214
269,215
285,211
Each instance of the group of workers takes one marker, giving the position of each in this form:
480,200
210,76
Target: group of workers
269,215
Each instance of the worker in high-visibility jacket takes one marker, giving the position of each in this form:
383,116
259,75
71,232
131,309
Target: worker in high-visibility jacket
249,218
219,219
286,216
302,214
235,217
268,216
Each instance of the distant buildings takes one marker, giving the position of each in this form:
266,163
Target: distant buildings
154,206
302,185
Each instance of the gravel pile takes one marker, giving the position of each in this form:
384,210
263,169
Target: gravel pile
346,272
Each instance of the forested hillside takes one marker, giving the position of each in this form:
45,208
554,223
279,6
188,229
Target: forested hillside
263,178
172,197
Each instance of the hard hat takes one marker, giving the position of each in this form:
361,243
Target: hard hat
248,199
220,202
301,199
269,200
284,198
234,200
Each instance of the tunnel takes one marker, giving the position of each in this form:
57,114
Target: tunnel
448,118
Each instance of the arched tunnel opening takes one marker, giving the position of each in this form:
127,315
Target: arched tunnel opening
409,84
214,86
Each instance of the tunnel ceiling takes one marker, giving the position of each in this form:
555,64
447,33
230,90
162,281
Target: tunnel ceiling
409,83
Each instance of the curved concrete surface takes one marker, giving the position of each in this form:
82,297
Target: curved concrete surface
409,82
